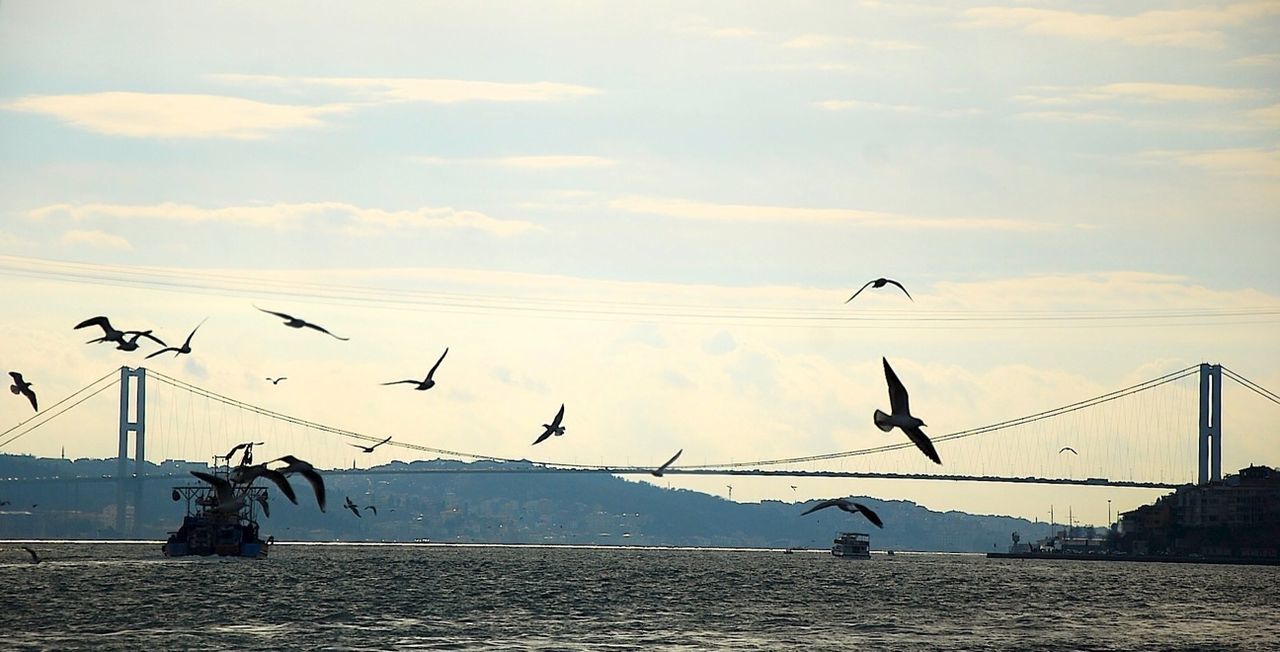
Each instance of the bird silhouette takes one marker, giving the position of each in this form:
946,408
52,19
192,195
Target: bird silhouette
109,333
131,344
35,558
248,448
23,387
553,428
294,322
304,469
186,345
276,381
352,507
848,506
426,383
227,500
372,507
879,283
901,415
369,449
657,473
245,475
1068,448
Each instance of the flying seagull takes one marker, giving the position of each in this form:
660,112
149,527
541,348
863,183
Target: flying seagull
23,387
276,381
426,383
225,493
848,506
369,449
1068,448
109,333
305,470
373,507
901,416
355,509
35,559
186,346
294,322
553,428
657,473
247,474
248,446
131,344
879,283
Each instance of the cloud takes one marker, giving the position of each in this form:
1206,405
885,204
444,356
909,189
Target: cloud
1067,116
347,218
162,115
95,239
1268,117
555,162
1145,92
821,41
1232,162
849,105
696,210
12,241
1200,27
436,91
1267,59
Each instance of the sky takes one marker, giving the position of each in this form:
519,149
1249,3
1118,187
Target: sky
654,213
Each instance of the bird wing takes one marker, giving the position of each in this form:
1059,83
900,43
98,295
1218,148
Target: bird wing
278,314
317,485
17,377
898,401
1067,448
555,423
98,321
373,507
323,330
541,438
146,334
363,448
668,462
922,441
822,505
437,364
187,344
31,395
164,350
859,291
220,486
401,382
234,449
381,442
904,290
34,557
281,482
871,516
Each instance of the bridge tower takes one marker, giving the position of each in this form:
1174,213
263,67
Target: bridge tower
1210,423
137,426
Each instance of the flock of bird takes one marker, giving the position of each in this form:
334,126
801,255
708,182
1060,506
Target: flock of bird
231,493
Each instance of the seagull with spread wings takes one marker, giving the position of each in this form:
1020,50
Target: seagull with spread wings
848,506
369,449
428,382
294,322
879,283
901,415
657,473
553,428
186,345
23,387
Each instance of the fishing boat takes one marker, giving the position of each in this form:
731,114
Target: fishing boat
212,529
852,545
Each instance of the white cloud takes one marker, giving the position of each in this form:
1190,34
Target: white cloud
1146,92
1249,162
1067,116
555,162
94,238
436,91
1268,117
821,41
348,218
165,115
1201,27
1267,59
696,210
848,105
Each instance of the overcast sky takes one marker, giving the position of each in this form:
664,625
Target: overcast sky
653,213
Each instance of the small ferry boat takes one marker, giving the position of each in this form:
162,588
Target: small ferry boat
852,545
212,529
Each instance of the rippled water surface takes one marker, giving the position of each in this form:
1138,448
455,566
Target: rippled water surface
126,596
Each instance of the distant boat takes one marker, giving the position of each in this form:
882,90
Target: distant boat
852,545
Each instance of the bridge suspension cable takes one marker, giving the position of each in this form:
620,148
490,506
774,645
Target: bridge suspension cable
49,415
1252,386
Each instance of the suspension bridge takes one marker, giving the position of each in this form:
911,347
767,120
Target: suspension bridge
1140,436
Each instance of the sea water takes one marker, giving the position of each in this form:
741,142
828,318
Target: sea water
378,597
